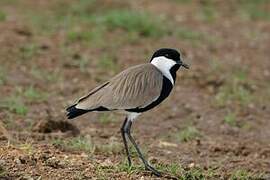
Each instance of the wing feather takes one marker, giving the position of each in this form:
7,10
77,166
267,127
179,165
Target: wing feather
135,87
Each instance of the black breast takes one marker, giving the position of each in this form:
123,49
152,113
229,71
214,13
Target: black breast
166,90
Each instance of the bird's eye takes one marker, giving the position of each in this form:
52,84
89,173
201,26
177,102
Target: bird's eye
166,55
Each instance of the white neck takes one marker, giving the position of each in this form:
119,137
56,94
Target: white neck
164,65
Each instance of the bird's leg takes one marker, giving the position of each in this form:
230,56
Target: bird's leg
147,165
125,141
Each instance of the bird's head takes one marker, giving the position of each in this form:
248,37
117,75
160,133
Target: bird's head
168,58
168,61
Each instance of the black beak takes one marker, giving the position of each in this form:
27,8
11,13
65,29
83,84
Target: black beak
185,65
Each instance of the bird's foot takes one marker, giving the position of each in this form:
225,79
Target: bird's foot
153,170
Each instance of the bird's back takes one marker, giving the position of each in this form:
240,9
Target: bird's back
135,87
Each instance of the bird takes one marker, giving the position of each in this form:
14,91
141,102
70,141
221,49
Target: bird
133,91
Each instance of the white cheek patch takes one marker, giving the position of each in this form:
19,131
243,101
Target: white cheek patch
164,65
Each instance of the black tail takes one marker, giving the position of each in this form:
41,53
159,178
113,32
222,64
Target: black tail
74,112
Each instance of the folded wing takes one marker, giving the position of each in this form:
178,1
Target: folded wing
135,87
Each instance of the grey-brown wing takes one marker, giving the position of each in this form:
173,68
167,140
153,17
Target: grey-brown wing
135,87
93,92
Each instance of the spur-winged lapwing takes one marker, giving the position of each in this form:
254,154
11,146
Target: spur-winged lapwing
133,91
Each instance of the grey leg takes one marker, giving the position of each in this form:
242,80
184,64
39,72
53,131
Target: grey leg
147,166
125,141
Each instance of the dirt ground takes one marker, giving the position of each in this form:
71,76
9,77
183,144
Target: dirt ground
215,124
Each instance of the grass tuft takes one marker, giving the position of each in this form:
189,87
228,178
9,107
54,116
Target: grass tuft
27,148
134,22
255,9
236,89
209,13
230,119
194,173
91,36
41,74
2,16
106,118
188,34
3,76
3,171
82,7
29,50
75,144
123,166
242,174
188,134
108,62
113,147
183,1
33,95
17,102
172,169
14,104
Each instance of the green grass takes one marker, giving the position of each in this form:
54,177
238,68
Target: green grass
255,9
34,95
133,21
263,98
30,93
90,36
124,167
90,23
172,169
3,171
29,50
83,7
230,119
188,34
42,24
183,1
242,174
110,148
104,171
187,134
195,174
44,75
14,104
209,14
235,90
27,147
108,62
74,59
106,118
17,101
2,16
82,63
86,21
3,76
215,65
86,145
62,17
75,144
8,121
8,2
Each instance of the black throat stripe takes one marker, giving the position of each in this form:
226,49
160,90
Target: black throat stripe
166,90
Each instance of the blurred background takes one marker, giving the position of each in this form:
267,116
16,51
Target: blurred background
214,125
